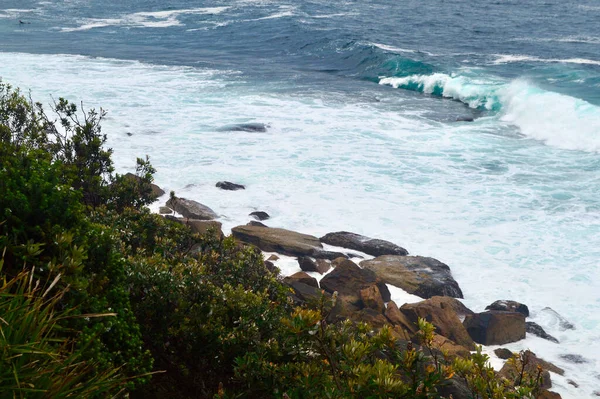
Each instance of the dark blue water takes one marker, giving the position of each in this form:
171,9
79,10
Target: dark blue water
362,101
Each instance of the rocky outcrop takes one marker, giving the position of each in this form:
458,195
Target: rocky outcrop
303,278
309,264
445,320
191,209
203,227
348,279
371,298
509,306
397,318
282,241
418,275
371,246
531,363
229,186
156,191
503,353
495,328
537,330
260,215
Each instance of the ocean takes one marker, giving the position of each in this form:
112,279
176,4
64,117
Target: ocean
368,106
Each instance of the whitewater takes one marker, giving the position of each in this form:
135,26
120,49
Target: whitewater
368,128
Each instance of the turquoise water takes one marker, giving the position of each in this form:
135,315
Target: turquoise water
362,100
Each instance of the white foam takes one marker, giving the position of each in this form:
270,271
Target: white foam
394,49
511,58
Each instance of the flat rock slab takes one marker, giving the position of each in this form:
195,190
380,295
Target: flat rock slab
371,246
282,241
417,275
191,209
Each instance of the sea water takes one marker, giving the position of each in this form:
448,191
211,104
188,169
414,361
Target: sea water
366,106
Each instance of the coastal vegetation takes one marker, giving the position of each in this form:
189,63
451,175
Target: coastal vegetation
99,297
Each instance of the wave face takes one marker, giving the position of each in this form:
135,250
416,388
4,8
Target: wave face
367,109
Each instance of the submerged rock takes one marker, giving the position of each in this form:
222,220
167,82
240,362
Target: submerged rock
260,215
227,185
509,306
537,330
417,275
191,209
563,323
245,127
495,328
577,359
371,246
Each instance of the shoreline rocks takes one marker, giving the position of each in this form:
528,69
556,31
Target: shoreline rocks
191,209
495,327
370,246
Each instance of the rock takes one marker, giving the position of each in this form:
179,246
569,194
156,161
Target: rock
537,330
255,223
531,362
273,258
282,241
227,185
448,302
371,246
465,119
495,328
330,255
165,210
305,293
260,215
272,268
191,209
563,323
203,227
443,317
397,318
371,298
455,388
503,353
577,359
509,306
545,394
369,316
245,127
449,347
303,278
156,191
421,276
308,264
573,383
342,310
348,279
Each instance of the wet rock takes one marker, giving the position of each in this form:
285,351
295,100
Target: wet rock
418,275
273,258
227,185
191,209
445,320
245,127
573,358
348,279
537,330
371,298
503,353
465,119
256,223
260,215
282,241
309,264
495,328
371,246
303,278
165,210
509,306
573,383
563,323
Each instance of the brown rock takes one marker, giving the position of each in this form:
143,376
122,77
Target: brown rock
503,353
451,348
495,328
203,227
369,316
447,323
509,306
545,394
371,298
282,241
421,276
348,279
531,362
309,264
302,278
397,318
191,209
273,258
165,210
371,246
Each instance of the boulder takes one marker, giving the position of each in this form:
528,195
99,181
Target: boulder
348,279
303,278
573,383
227,185
371,298
305,293
537,330
397,318
202,227
245,127
573,358
418,275
503,353
309,264
451,348
156,191
165,210
282,241
273,258
371,246
191,209
446,321
455,388
272,268
260,215
256,223
509,306
369,316
531,362
545,394
495,328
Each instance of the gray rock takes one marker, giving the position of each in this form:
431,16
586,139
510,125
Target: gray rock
165,210
509,306
563,323
245,127
191,209
256,223
303,278
227,185
282,241
573,358
495,328
371,246
503,353
260,215
537,330
421,276
309,264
